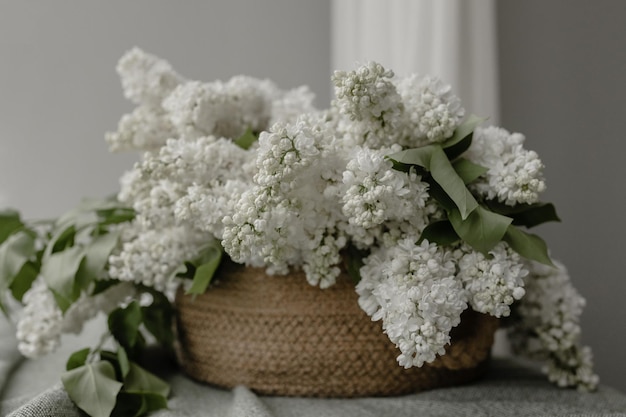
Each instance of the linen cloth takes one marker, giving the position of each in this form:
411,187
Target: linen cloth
510,388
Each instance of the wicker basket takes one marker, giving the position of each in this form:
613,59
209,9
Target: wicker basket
280,336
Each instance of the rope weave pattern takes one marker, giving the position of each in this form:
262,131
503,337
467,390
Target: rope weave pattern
278,335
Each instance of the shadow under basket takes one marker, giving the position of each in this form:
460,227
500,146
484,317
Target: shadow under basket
278,335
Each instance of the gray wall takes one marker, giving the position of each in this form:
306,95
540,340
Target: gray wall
563,84
562,74
59,92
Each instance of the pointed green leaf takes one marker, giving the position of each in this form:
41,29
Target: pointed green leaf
101,285
85,212
445,175
354,262
115,215
528,245
528,215
77,359
61,239
59,271
141,381
441,232
24,280
10,222
246,140
208,264
158,318
437,193
455,151
114,359
124,324
93,388
15,251
136,405
482,230
122,360
467,170
97,253
464,130
416,156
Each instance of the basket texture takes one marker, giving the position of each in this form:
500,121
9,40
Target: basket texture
278,335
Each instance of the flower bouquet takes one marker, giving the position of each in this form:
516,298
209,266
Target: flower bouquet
391,202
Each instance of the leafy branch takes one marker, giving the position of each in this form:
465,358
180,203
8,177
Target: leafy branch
112,383
482,225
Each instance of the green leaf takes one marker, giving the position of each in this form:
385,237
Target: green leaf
77,359
354,262
87,212
467,170
97,255
461,140
207,265
246,140
123,362
464,130
93,388
59,272
158,318
124,324
114,359
440,232
101,285
10,222
24,280
135,405
61,239
482,230
416,156
528,245
445,175
434,159
115,215
528,215
140,381
439,194
15,252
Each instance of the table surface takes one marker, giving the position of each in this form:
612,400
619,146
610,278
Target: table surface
510,388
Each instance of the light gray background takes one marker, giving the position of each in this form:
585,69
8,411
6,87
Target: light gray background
562,84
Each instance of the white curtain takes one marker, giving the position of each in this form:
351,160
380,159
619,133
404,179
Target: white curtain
452,39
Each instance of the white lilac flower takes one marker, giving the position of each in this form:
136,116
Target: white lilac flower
289,105
152,257
433,111
572,368
413,289
320,262
376,194
146,79
40,325
41,322
493,283
204,206
289,212
146,129
368,99
160,185
220,109
548,327
515,174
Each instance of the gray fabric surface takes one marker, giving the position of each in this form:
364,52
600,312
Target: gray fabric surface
510,388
